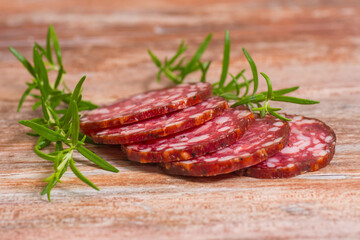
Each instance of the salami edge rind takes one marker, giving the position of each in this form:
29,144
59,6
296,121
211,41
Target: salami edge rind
203,169
151,134
309,165
190,152
153,112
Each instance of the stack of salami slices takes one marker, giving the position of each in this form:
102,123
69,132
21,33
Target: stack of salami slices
189,132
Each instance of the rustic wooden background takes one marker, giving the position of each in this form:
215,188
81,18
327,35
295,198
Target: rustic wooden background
314,44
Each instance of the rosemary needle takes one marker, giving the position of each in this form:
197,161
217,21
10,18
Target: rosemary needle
232,90
58,128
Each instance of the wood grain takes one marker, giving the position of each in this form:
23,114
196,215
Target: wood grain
314,44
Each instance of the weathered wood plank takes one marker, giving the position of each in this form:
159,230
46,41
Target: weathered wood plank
314,44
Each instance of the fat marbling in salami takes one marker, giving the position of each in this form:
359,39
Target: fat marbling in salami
164,125
265,137
215,134
146,105
311,146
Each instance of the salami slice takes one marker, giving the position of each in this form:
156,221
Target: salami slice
146,105
215,134
163,125
311,146
265,137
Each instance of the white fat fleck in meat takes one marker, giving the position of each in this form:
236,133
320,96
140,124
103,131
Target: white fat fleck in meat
245,155
328,139
319,146
201,129
175,96
222,151
267,144
304,138
103,132
278,124
304,145
299,142
243,113
238,149
270,164
224,129
149,101
198,139
290,165
100,111
225,158
296,131
288,150
145,150
211,159
184,139
273,129
220,120
158,104
177,144
179,147
129,106
297,118
161,147
188,109
307,121
145,109
134,146
322,153
278,139
273,160
132,131
316,141
192,94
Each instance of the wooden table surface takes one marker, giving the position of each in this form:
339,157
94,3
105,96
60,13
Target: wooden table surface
314,44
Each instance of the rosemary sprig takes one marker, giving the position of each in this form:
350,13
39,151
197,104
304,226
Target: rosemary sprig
178,68
59,126
259,102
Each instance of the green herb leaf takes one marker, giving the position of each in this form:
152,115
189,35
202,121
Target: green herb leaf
55,44
226,59
269,85
48,46
199,52
285,90
59,77
96,159
154,58
275,114
23,60
293,100
25,94
75,125
182,48
253,70
81,176
43,131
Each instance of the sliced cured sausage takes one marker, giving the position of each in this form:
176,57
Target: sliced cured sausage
265,137
146,105
215,134
311,146
163,125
